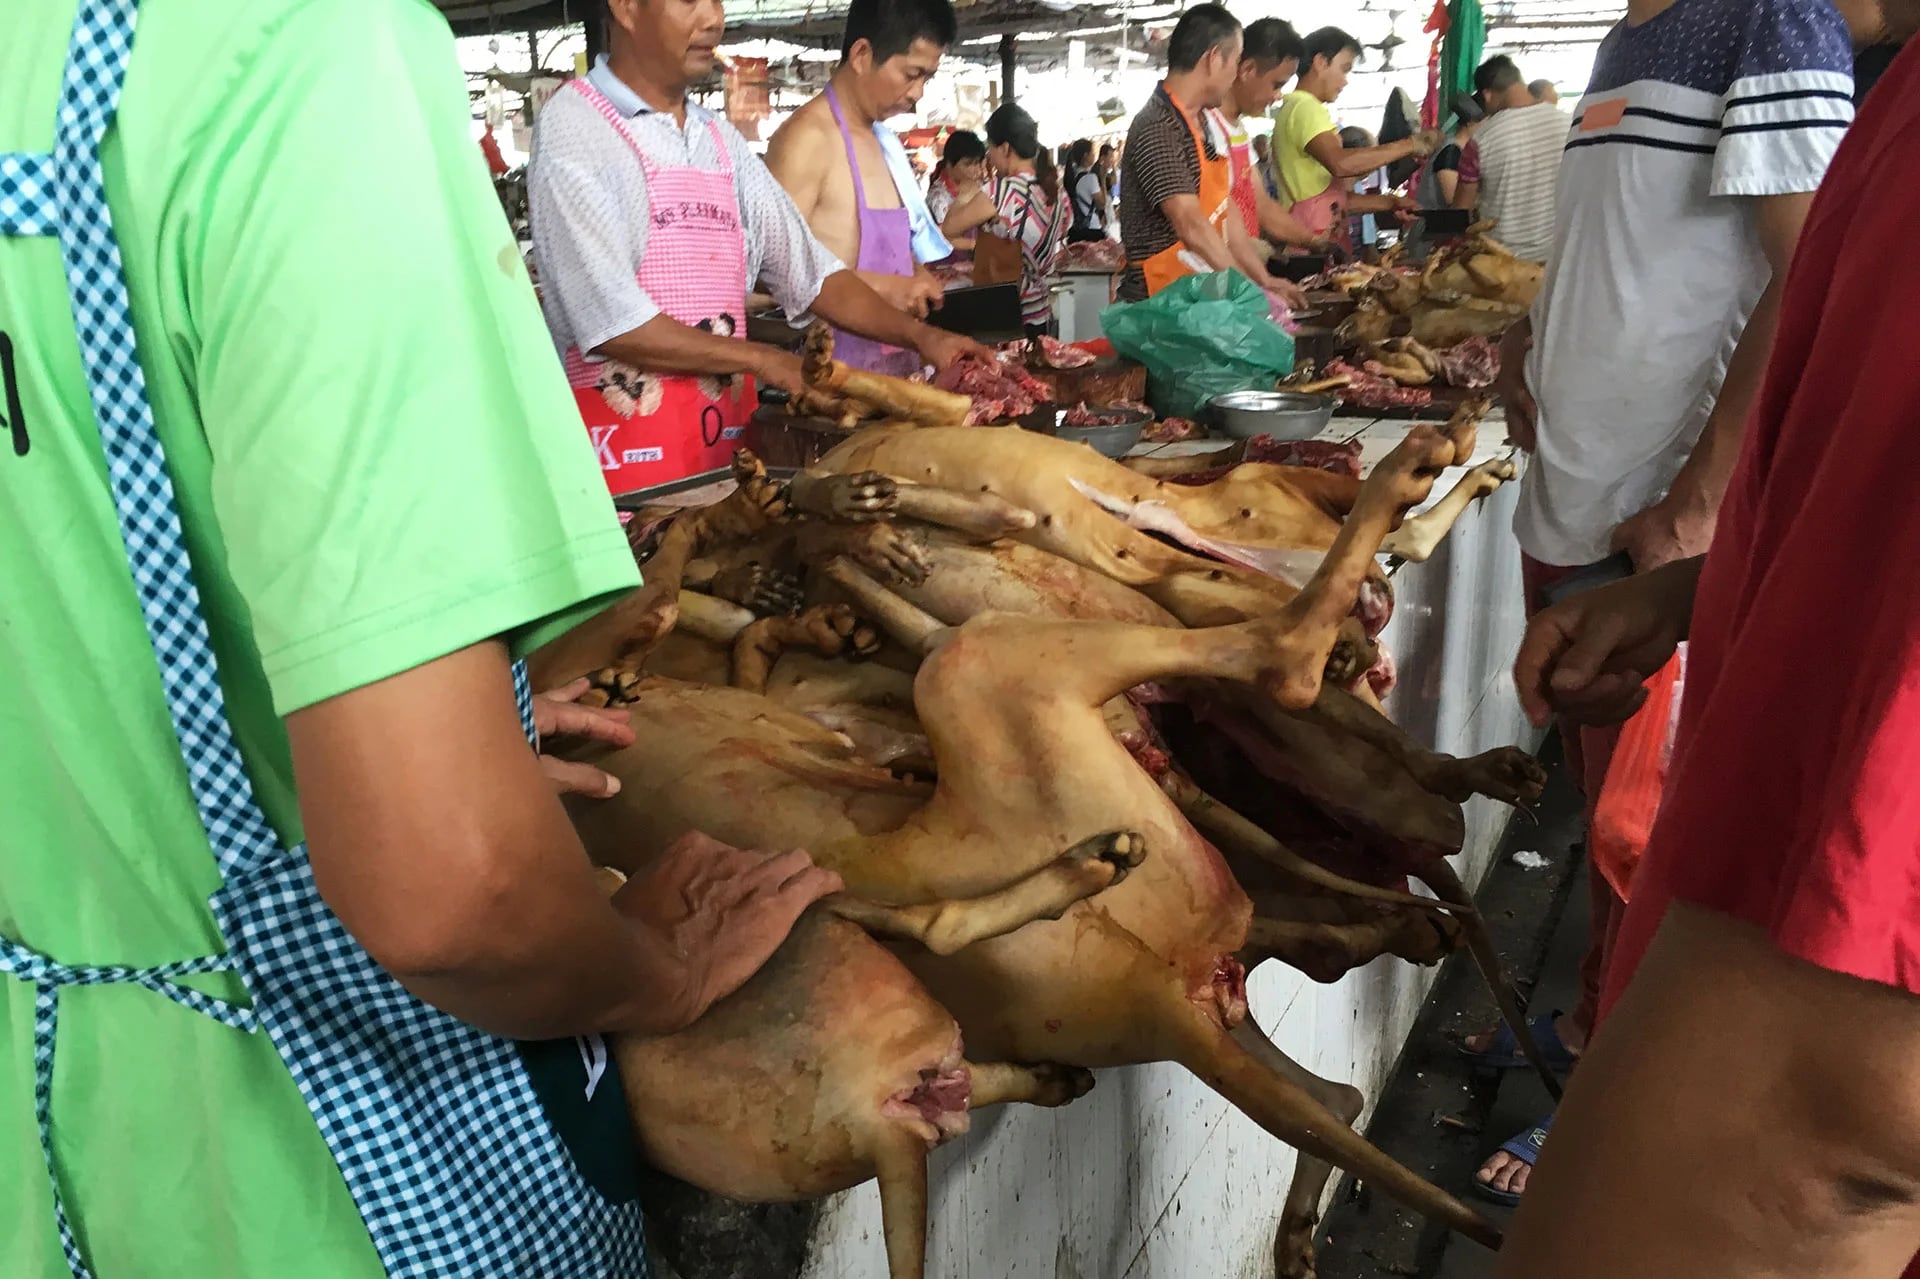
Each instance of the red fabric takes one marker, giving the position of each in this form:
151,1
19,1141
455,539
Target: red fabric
1793,804
1470,161
1241,154
1589,754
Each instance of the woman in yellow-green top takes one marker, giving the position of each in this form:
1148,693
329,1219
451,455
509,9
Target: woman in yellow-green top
1312,166
291,473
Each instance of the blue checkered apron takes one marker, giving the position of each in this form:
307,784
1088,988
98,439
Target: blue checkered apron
434,1125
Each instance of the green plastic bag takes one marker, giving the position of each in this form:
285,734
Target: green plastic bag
1201,336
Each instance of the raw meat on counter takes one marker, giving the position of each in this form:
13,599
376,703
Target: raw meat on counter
1001,391
1474,362
1171,430
1055,354
1368,390
1095,255
1084,414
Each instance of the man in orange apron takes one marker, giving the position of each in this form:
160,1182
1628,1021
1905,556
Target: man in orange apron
1176,187
651,220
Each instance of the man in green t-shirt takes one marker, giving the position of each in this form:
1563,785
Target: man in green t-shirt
386,496
1307,154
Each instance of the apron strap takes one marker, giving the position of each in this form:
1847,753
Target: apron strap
853,161
26,194
47,977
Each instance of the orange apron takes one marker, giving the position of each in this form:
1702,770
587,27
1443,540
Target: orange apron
1216,196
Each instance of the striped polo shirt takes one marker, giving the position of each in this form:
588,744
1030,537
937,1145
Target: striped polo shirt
1516,160
1656,262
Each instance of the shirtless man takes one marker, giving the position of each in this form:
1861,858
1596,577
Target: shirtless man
849,173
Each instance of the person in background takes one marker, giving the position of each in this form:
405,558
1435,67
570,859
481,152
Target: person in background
1750,1106
1439,178
1110,174
1177,213
1511,169
1545,91
1263,166
1029,208
1269,57
1681,198
957,196
300,614
644,337
1307,148
849,175
1362,225
1092,215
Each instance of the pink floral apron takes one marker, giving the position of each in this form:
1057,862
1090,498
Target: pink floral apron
654,428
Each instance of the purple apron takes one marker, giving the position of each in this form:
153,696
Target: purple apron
886,248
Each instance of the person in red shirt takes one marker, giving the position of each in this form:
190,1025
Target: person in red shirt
1751,1104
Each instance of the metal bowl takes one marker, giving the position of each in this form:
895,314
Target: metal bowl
1113,439
1284,415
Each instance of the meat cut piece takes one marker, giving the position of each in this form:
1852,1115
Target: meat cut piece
1318,455
1095,255
1369,390
1171,430
1055,354
1000,391
1474,362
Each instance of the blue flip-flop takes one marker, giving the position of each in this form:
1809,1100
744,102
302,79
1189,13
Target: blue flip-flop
1526,1148
1504,1052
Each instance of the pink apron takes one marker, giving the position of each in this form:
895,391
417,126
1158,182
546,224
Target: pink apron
653,428
886,248
1325,215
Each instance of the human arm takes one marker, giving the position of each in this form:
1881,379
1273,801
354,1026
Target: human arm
1587,657
846,302
1466,191
1681,523
1252,256
968,215
446,854
1510,384
1375,202
1197,235
1447,182
1355,162
378,605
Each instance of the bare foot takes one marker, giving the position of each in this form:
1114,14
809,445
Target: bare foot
1564,1026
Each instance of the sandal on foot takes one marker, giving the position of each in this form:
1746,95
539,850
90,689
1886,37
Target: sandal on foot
1504,1052
1525,1148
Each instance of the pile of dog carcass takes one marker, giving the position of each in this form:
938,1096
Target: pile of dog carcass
1085,744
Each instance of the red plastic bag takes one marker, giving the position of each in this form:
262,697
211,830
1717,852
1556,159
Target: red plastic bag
1636,778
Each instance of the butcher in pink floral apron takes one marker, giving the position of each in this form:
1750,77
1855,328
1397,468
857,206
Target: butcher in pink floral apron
652,218
649,427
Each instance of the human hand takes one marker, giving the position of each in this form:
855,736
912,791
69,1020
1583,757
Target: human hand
1426,142
1405,210
1587,657
1511,386
1677,527
1287,291
943,349
722,911
558,714
778,369
915,294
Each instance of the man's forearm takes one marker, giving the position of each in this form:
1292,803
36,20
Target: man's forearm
1702,482
1199,237
848,303
1355,162
1370,203
664,345
1250,255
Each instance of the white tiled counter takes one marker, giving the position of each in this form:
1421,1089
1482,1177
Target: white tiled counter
1152,1176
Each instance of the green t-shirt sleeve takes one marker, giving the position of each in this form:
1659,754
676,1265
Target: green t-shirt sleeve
399,470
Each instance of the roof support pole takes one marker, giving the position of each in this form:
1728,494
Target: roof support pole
1008,65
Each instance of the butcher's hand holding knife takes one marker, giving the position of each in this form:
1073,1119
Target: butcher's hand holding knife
448,856
665,345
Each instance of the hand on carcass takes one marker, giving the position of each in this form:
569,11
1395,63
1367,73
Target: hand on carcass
560,714
1588,657
719,913
778,369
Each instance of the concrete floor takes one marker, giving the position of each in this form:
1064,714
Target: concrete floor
1439,1117
1522,1100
